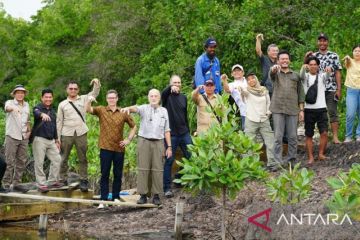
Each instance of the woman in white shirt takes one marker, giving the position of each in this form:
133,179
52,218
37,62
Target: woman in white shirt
257,116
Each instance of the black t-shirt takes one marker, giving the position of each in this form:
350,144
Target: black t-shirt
266,64
176,105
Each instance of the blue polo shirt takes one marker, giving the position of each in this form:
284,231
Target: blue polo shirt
206,69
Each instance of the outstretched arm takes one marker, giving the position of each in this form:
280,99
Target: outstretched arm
259,39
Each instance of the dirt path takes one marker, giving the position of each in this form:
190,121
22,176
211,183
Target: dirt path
202,214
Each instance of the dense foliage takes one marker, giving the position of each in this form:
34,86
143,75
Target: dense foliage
346,196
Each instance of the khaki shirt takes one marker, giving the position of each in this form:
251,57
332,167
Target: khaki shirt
288,92
17,122
68,121
204,118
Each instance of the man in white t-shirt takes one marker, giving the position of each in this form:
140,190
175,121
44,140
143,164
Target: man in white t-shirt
237,72
315,113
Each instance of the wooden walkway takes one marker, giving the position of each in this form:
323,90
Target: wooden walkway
19,206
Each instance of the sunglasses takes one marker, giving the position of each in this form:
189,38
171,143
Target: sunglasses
73,89
209,85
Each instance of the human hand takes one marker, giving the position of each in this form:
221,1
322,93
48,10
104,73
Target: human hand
260,36
175,89
346,58
45,117
338,94
168,152
275,68
124,143
125,110
224,77
199,88
328,69
95,81
301,116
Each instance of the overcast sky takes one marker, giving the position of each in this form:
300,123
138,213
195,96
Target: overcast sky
22,8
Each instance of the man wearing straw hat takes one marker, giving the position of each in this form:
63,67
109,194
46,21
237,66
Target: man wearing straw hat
17,132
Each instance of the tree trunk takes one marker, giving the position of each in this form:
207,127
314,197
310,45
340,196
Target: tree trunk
223,214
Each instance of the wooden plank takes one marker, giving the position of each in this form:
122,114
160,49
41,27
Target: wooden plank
13,211
74,200
67,194
178,220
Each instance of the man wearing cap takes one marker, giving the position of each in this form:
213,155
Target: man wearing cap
207,66
329,62
72,129
176,104
204,118
266,61
237,71
17,133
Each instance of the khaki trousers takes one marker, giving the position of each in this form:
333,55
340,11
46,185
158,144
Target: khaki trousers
80,142
264,128
150,159
16,156
43,147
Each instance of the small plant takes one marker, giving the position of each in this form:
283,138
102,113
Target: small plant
346,197
222,160
291,186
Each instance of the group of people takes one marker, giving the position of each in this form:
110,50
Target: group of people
274,107
271,107
53,136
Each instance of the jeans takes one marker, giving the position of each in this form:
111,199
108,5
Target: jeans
182,141
352,110
287,123
243,123
106,158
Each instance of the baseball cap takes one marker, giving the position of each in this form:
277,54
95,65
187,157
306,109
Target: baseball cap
209,81
237,66
210,41
323,35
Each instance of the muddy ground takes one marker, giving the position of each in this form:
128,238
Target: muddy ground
202,214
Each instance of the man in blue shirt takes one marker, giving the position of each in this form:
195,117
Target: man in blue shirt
207,66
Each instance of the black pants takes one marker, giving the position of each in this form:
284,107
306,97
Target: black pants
2,167
106,159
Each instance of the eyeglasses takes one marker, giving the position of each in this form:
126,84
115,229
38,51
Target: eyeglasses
73,89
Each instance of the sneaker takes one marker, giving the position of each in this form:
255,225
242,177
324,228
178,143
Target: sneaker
272,168
156,199
20,188
102,206
119,200
142,200
4,190
169,194
348,140
84,185
43,188
56,185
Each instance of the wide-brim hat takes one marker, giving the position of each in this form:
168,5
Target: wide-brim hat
18,88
